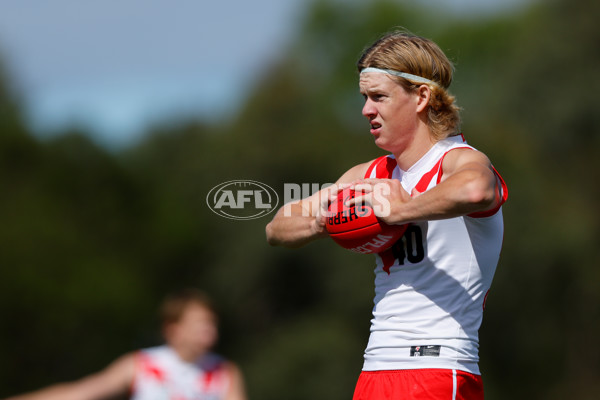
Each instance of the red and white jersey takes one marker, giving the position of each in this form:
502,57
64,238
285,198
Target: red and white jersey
161,375
430,287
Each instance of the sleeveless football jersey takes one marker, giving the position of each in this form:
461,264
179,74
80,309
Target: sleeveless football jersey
161,375
430,287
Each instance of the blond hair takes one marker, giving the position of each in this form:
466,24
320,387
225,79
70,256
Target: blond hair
405,52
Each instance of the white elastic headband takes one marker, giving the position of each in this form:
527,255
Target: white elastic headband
404,75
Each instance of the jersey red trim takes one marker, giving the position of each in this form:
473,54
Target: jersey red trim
425,180
503,189
423,184
503,196
384,167
439,178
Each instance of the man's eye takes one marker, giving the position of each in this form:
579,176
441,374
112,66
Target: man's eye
373,97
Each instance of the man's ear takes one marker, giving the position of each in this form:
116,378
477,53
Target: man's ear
423,96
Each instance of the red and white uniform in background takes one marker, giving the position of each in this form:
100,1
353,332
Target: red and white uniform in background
161,375
430,288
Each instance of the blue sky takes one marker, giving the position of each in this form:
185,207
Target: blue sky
115,67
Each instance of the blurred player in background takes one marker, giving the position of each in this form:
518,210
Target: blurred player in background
182,369
431,286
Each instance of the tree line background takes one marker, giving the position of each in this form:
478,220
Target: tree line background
91,239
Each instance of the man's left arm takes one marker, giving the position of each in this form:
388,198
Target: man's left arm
468,185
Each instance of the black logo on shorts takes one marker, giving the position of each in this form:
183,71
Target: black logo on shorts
425,351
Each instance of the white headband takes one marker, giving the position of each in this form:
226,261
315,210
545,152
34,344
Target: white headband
404,75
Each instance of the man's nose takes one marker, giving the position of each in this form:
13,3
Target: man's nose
368,109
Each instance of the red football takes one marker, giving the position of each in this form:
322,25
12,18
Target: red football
356,228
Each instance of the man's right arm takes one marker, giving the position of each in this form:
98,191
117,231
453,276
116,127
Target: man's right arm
116,379
300,222
297,223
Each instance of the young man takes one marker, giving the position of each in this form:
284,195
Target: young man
182,369
430,288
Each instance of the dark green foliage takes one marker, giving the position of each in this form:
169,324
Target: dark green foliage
91,240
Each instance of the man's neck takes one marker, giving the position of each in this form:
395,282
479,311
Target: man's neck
187,355
415,150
